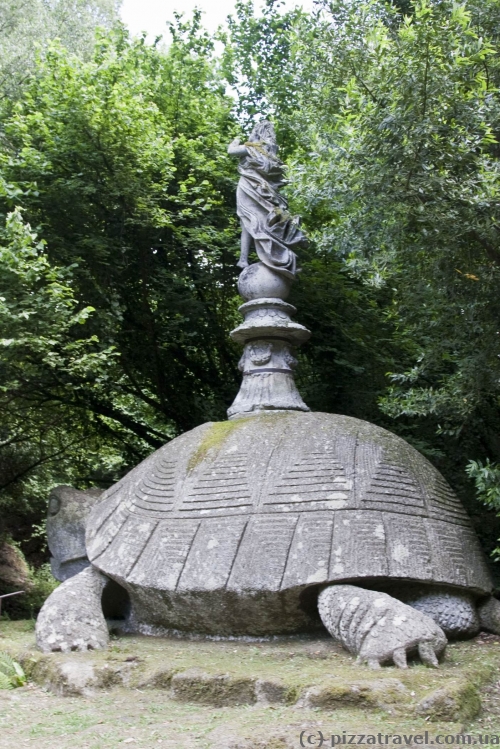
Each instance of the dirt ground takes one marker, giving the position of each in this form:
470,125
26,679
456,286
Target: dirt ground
167,697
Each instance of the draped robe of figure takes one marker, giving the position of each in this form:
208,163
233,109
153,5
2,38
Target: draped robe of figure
263,211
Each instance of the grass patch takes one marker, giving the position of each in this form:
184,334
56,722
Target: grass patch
217,710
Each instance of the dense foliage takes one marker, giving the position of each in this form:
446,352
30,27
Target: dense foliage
118,236
404,182
26,26
393,147
401,174
117,266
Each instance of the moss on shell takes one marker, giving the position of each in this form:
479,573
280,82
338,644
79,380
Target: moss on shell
213,439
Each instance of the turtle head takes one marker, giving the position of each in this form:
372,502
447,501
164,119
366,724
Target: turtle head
66,520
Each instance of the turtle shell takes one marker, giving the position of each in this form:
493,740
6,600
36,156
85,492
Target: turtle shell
226,528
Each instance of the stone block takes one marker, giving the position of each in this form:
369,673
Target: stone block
456,701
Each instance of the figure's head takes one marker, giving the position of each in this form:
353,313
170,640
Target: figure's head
263,131
66,520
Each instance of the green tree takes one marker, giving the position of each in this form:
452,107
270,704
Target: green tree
119,164
43,327
258,61
398,122
344,364
27,26
392,144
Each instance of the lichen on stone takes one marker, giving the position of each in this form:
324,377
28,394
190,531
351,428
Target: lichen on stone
213,439
456,701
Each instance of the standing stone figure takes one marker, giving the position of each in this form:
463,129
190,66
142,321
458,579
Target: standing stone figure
268,334
262,210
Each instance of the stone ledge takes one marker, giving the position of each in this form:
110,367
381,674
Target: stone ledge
306,674
81,675
381,693
459,700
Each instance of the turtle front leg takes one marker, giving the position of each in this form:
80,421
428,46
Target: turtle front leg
71,618
378,628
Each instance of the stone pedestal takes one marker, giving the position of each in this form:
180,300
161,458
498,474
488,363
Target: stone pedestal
269,337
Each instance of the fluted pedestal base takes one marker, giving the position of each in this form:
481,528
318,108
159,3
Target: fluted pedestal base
266,391
269,337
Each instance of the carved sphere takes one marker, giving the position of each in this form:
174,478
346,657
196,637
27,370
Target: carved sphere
257,281
233,527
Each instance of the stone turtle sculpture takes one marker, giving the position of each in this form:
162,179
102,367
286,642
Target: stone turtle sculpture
281,520
241,527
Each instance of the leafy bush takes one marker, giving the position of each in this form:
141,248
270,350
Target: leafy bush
487,479
36,582
11,673
43,583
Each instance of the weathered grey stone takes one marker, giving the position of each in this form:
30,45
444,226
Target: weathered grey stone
455,613
382,693
229,528
70,679
266,391
234,527
72,618
453,702
269,692
257,281
378,628
268,332
489,615
263,211
67,514
70,676
269,337
210,689
269,320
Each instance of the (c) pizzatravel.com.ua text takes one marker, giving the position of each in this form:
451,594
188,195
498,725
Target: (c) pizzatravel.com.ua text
310,738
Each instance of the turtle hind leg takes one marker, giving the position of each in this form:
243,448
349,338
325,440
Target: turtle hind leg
378,628
72,618
489,615
458,614
454,612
